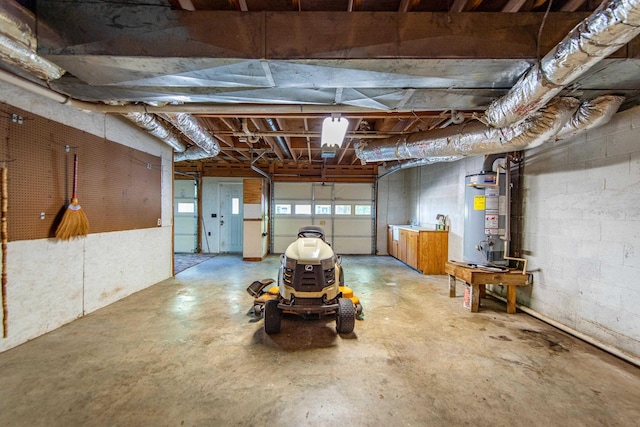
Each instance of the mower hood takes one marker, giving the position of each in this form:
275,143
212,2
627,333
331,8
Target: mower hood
309,250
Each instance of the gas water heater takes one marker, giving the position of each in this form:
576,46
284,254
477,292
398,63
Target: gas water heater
485,209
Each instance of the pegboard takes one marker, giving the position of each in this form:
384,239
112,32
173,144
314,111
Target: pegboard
119,188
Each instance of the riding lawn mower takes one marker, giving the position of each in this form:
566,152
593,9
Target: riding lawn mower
310,282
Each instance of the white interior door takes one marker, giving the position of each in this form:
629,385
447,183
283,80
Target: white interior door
185,216
231,217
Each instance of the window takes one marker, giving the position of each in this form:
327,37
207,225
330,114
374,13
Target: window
323,209
343,209
303,210
186,207
283,209
363,209
235,206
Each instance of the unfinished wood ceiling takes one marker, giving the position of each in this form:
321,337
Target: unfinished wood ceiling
261,75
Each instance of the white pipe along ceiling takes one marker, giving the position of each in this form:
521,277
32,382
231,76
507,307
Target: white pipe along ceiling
531,112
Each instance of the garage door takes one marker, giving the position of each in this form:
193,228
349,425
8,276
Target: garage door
346,211
185,214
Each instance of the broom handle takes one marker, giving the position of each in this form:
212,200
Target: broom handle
75,175
4,198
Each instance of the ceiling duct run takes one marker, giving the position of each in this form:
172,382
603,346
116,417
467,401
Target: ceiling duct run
472,139
561,118
281,142
155,127
606,30
191,153
189,126
417,163
18,44
591,114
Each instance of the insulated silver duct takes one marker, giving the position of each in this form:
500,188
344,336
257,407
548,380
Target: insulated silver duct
281,141
155,127
18,54
591,114
416,163
189,126
472,139
606,30
192,153
14,23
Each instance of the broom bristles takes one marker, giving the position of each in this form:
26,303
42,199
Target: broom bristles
74,222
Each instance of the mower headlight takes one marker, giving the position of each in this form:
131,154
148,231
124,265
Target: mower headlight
327,263
288,268
329,271
290,263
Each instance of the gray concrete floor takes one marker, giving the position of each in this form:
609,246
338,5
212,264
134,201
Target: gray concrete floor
185,352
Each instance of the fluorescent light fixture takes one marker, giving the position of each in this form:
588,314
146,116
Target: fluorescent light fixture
333,130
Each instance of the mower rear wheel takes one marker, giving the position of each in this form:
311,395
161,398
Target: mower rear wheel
272,317
345,316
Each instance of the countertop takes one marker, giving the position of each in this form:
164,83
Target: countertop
416,227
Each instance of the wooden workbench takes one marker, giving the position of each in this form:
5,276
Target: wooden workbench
476,279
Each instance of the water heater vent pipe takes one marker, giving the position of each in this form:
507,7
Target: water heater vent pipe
507,225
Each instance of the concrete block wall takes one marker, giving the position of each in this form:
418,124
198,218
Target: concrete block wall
50,282
582,231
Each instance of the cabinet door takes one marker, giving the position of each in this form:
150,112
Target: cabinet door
402,246
434,250
412,249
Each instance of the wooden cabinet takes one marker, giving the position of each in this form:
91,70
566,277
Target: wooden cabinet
420,248
402,245
434,251
412,251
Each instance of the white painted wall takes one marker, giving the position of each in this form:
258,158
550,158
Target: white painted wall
50,282
391,206
581,226
439,189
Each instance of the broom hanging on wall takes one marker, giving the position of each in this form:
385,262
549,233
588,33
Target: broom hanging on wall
74,222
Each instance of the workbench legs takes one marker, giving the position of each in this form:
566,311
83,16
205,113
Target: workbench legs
511,299
474,294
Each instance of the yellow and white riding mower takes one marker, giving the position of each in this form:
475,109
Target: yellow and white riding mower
310,281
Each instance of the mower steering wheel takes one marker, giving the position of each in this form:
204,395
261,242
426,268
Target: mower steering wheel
310,234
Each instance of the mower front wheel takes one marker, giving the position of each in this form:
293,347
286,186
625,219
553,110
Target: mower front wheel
272,317
345,316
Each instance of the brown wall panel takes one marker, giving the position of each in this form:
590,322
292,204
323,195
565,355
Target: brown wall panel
252,191
119,188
